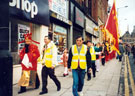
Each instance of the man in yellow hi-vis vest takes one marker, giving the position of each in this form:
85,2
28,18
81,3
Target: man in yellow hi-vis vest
93,59
49,61
79,59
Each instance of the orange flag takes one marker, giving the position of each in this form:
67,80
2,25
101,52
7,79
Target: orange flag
111,27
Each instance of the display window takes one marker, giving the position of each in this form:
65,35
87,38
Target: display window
17,30
60,41
59,37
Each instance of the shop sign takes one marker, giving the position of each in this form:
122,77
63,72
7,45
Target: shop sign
62,18
72,12
96,33
89,26
31,10
60,29
59,7
79,17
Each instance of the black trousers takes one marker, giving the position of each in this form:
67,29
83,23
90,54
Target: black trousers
45,72
103,61
93,66
120,57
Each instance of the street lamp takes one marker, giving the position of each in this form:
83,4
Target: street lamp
119,28
118,12
120,8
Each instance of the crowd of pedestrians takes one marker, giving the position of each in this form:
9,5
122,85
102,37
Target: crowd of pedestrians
81,59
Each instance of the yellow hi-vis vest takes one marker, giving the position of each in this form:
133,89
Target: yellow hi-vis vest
81,57
93,54
48,56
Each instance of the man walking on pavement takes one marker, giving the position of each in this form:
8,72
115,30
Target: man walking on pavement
78,58
121,50
93,59
49,61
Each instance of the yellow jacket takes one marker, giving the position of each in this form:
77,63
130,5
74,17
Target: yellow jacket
81,57
93,54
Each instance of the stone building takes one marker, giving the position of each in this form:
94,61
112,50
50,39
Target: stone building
129,38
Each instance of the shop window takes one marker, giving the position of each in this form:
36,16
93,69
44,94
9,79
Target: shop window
18,29
59,37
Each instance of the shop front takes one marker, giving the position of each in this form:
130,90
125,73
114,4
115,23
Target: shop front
27,19
59,37
59,23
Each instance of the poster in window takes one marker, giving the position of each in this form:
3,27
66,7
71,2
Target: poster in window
22,29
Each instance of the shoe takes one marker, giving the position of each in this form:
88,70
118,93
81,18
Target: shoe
65,74
21,91
58,88
80,93
88,79
94,76
43,92
36,87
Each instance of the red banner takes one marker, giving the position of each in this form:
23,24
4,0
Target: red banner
111,28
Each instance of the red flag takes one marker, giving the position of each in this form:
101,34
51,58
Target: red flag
111,27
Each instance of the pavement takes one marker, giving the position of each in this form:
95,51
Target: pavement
106,82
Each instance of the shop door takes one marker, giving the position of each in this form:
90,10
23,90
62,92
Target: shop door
76,32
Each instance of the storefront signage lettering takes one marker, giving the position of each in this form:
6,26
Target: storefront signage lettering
34,11
89,26
60,29
25,5
79,17
59,7
62,18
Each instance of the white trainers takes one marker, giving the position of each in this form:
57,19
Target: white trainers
80,93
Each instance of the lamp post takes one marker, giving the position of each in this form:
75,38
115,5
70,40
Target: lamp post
120,24
118,14
118,10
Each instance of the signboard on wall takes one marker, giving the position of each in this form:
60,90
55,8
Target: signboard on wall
89,26
36,11
79,17
22,29
96,33
72,12
59,7
60,29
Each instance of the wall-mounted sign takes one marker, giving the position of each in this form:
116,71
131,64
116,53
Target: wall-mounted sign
72,12
59,7
60,29
61,18
79,17
96,33
36,11
89,26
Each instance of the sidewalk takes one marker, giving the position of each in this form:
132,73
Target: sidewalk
106,82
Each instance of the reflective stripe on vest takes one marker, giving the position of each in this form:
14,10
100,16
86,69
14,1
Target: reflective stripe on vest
93,54
48,57
81,57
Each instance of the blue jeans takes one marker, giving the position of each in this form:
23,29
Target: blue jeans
78,80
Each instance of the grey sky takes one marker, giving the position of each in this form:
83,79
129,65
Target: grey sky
126,16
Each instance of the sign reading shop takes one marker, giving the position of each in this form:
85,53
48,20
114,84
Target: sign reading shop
36,11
